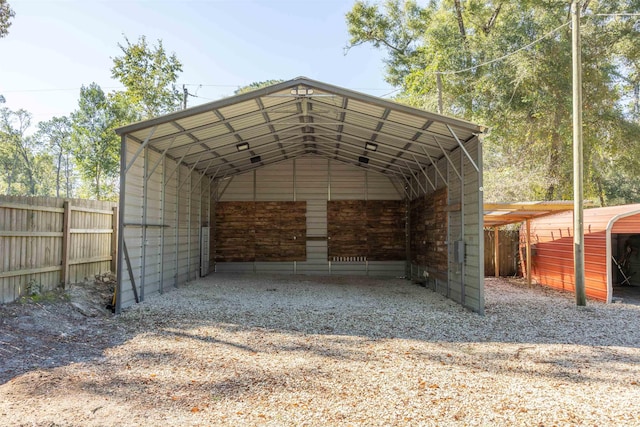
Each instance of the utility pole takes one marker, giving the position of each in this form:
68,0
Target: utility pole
578,214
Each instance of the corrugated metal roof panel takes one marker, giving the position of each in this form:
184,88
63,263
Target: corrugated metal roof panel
366,108
197,120
332,122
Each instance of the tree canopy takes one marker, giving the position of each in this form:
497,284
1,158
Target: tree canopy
149,76
256,85
507,65
6,14
96,145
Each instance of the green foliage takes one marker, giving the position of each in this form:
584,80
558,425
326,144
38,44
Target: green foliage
149,76
6,14
525,97
22,162
256,85
55,135
96,146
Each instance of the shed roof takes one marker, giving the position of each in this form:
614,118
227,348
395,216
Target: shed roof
597,220
302,117
498,214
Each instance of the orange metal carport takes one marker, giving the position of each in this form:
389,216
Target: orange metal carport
497,215
552,248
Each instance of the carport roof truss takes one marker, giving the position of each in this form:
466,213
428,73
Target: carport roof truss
303,117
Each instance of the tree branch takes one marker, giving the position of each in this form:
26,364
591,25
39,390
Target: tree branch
463,33
492,21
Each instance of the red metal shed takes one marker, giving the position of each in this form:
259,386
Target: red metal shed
611,237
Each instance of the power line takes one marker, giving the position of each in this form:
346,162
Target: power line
55,89
550,33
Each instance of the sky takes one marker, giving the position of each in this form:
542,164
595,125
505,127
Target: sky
56,46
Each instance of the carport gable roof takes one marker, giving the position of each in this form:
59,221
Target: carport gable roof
303,117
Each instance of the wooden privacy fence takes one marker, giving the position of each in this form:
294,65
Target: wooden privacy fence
508,241
46,241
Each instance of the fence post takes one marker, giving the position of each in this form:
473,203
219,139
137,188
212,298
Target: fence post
114,240
66,242
496,251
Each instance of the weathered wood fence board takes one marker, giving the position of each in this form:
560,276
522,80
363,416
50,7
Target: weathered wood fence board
508,241
45,241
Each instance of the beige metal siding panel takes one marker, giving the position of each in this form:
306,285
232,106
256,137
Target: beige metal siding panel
274,267
153,241
380,187
235,267
196,223
170,215
312,179
239,189
183,227
275,183
349,268
133,204
347,182
316,218
312,183
316,262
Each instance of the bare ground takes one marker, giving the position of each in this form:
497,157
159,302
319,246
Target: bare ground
319,351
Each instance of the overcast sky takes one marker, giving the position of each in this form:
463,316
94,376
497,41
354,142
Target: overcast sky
56,46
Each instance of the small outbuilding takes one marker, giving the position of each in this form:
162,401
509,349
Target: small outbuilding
301,177
611,250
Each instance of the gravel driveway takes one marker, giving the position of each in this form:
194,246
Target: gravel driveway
303,350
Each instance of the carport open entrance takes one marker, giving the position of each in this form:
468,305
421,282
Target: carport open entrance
302,177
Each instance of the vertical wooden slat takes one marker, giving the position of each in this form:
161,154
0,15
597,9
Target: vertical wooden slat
114,239
66,237
528,242
23,254
496,250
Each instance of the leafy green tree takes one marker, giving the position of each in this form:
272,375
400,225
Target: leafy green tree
256,85
508,65
6,14
149,76
17,153
96,146
55,135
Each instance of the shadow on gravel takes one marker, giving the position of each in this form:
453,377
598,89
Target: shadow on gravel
56,329
348,312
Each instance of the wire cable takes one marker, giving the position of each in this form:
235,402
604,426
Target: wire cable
550,33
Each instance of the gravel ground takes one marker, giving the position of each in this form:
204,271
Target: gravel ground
300,350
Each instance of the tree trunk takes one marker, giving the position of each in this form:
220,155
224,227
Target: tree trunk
67,173
458,6
555,159
98,183
58,167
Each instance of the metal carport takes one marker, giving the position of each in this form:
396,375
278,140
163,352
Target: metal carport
302,141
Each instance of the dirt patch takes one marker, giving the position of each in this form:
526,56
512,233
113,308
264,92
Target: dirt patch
57,328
